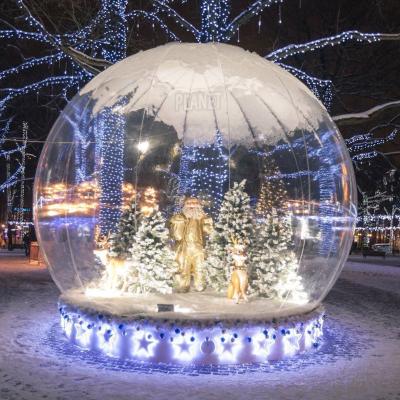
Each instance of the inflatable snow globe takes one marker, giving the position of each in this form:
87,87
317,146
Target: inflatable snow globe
195,203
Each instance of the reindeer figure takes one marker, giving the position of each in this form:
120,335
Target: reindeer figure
115,266
239,280
115,270
102,241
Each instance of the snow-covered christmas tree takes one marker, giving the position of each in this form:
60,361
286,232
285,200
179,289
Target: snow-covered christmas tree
118,270
153,259
274,263
121,241
290,285
234,225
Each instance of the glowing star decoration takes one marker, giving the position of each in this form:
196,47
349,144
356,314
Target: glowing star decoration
68,326
185,347
111,341
83,333
195,346
228,348
291,341
103,338
144,344
309,337
262,344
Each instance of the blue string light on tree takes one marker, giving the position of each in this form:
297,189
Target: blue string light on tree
111,172
204,173
80,54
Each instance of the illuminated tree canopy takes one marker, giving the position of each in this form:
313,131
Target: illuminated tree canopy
72,43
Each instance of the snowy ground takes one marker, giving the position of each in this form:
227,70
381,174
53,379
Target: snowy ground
360,358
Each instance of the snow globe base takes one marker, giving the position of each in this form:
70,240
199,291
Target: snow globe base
224,333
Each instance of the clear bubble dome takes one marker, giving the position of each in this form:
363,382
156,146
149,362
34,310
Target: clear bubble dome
212,123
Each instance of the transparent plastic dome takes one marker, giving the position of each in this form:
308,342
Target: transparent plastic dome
210,126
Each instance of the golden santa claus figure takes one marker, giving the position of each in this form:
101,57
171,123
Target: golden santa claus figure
189,229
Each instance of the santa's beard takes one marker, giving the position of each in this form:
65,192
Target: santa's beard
193,213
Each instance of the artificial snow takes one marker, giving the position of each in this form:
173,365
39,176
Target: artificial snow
206,305
199,89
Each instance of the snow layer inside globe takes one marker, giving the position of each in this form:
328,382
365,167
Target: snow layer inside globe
191,189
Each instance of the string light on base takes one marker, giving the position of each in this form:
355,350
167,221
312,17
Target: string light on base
170,340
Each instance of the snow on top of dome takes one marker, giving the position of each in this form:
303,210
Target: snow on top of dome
201,88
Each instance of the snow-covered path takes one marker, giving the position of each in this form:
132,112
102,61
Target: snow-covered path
360,358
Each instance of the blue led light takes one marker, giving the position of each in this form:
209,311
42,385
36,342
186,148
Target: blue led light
203,345
104,40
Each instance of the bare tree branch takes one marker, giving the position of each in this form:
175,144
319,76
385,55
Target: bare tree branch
253,10
338,39
178,18
19,34
91,64
31,63
155,19
361,117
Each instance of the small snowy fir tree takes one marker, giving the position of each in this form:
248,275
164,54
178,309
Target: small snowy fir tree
154,260
265,258
216,264
234,224
121,241
290,286
274,263
118,270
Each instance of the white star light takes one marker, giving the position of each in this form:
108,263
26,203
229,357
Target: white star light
144,344
228,350
291,342
262,345
83,334
184,348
